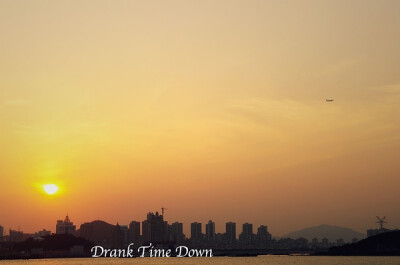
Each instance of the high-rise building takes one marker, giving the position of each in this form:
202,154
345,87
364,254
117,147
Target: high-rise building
65,227
154,229
247,238
262,231
125,234
195,231
325,243
263,236
1,231
314,243
176,233
16,236
231,233
210,230
247,229
118,236
134,231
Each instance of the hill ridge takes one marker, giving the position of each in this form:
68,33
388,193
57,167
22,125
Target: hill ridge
331,232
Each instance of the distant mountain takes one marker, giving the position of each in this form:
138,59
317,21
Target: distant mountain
382,244
332,233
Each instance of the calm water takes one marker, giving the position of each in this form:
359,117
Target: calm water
260,260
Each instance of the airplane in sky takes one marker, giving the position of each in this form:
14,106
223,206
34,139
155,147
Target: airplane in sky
329,100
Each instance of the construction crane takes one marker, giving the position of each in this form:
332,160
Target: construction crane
162,210
381,221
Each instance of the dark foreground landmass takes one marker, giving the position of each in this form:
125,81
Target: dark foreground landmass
54,246
68,246
386,244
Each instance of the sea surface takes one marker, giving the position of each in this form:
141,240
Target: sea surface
260,260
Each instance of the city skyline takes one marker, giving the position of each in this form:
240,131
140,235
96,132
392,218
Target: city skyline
157,232
188,229
278,113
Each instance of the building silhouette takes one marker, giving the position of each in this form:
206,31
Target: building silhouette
325,243
195,231
231,233
154,229
247,238
210,231
125,234
263,237
119,236
176,234
42,233
134,232
1,231
247,229
65,227
16,236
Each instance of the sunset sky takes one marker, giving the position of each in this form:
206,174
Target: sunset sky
212,109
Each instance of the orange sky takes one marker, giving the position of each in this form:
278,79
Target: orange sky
213,109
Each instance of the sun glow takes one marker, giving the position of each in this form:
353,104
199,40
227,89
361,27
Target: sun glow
50,188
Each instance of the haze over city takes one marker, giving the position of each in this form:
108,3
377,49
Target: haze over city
212,109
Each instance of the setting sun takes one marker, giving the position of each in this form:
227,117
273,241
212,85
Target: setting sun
50,189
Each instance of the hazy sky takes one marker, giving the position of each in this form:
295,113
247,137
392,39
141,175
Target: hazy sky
213,109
